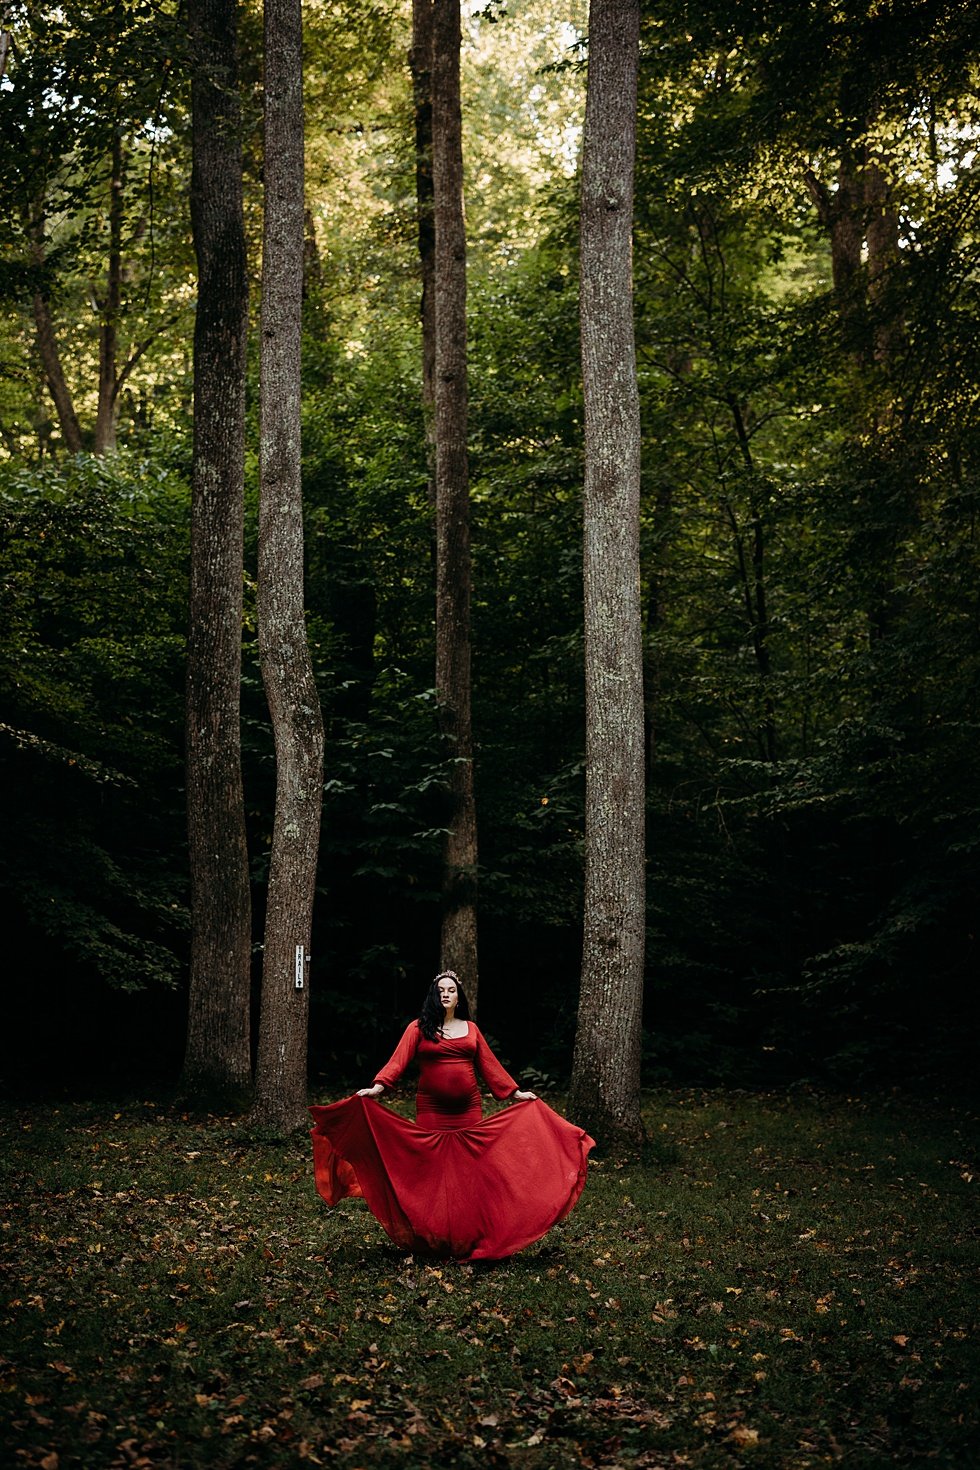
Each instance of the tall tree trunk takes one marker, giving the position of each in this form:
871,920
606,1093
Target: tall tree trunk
421,64
287,671
887,323
47,344
458,946
754,590
605,1089
861,215
218,1054
105,419
841,214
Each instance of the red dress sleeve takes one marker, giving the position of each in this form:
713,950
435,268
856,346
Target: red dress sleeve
403,1054
499,1081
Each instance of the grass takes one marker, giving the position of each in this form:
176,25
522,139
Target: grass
781,1283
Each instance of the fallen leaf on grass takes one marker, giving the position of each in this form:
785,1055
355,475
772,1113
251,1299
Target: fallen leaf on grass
417,1423
743,1436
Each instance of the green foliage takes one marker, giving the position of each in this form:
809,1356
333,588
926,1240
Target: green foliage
84,80
92,586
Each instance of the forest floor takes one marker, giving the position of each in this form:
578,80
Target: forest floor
783,1282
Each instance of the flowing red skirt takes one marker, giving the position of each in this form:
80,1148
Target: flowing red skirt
477,1193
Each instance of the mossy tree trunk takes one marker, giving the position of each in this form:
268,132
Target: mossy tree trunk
218,1054
458,948
421,64
605,1089
287,670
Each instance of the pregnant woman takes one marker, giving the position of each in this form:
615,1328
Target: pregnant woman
452,1183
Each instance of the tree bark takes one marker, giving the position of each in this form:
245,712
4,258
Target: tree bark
605,1088
421,65
47,346
841,215
458,941
218,1054
106,415
287,671
861,215
754,588
887,323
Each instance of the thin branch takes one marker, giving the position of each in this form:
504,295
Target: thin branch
139,350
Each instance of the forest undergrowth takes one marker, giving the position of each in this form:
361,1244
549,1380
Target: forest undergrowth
782,1282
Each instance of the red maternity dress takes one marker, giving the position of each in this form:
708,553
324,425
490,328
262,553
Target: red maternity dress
452,1183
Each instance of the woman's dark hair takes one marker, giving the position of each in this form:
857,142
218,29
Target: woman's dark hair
430,1019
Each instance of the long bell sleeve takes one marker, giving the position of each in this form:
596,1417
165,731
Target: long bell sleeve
402,1055
497,1078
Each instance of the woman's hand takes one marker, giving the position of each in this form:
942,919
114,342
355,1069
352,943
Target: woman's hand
374,1091
525,1096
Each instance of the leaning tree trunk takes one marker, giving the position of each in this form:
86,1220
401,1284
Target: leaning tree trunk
47,341
458,944
605,1088
218,1055
287,671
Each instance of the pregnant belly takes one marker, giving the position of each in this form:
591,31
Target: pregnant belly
448,1096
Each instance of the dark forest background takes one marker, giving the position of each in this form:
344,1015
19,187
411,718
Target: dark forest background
807,312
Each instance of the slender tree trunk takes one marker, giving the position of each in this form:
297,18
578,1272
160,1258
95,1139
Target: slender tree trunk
105,419
656,620
458,947
605,1089
287,671
754,587
47,345
421,64
218,1055
312,264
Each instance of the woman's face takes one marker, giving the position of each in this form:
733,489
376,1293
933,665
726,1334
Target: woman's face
448,994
